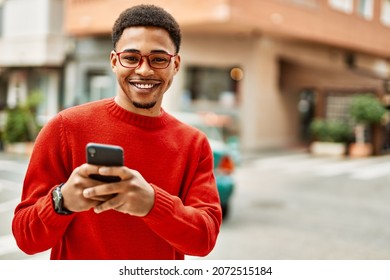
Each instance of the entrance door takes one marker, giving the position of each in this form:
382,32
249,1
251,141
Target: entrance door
306,108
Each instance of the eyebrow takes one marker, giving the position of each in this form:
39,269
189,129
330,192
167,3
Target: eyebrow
138,51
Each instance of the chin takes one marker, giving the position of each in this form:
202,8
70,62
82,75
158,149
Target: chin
146,105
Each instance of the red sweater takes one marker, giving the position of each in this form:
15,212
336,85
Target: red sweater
175,158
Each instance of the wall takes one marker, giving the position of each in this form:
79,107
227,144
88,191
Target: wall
32,33
263,112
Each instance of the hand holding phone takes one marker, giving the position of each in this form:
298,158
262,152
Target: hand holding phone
104,155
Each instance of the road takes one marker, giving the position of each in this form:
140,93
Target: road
298,207
287,206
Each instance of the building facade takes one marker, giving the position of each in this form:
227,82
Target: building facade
32,53
270,65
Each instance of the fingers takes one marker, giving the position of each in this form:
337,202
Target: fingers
101,198
86,169
132,195
105,190
114,203
101,191
123,172
127,198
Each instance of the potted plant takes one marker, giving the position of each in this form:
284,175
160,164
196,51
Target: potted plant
366,110
330,137
21,127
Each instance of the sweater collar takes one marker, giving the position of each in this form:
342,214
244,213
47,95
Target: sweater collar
136,119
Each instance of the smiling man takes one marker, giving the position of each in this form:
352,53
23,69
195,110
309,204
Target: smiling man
166,204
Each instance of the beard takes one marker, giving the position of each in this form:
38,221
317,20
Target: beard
149,105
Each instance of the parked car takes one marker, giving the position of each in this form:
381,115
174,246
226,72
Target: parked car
224,163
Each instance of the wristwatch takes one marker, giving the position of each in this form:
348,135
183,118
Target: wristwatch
58,202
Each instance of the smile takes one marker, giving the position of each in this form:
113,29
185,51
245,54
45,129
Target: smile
144,86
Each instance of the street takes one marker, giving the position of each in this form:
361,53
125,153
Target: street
296,207
287,206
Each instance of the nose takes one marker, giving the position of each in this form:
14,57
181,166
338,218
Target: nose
143,67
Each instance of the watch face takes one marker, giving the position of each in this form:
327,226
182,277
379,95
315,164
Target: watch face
57,198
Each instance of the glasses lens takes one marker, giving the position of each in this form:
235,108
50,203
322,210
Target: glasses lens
128,59
159,60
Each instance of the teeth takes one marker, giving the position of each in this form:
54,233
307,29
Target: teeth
144,85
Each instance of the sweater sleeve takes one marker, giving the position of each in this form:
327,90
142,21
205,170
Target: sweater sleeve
36,226
195,218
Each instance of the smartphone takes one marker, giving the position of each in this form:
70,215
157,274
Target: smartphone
106,155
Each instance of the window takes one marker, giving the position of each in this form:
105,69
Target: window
99,85
337,106
338,102
385,12
365,8
213,85
345,6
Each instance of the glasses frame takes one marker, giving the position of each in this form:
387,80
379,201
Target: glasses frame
142,60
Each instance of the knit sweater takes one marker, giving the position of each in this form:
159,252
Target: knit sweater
173,157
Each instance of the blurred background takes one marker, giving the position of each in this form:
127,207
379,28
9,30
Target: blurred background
297,93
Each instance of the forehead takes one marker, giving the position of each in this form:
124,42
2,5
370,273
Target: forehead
145,39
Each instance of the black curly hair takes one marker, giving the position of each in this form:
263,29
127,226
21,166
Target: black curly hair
147,15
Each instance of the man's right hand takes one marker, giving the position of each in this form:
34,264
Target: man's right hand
72,190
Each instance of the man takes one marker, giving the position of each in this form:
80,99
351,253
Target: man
166,205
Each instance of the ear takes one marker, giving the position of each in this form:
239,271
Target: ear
114,60
177,63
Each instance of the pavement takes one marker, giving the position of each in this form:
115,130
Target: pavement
12,170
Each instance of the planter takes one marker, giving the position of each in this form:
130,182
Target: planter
357,150
328,149
22,148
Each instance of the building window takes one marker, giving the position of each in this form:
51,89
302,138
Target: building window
99,85
365,8
212,85
338,102
345,6
385,12
337,105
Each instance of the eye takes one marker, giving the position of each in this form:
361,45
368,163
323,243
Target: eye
130,58
159,59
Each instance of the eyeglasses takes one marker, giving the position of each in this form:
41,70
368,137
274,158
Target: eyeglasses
155,60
